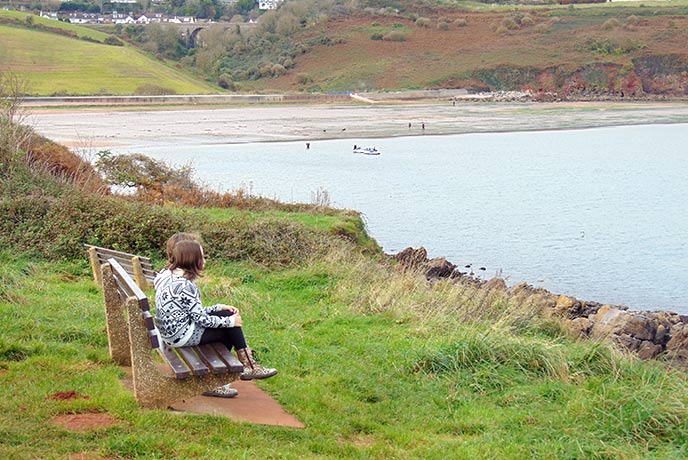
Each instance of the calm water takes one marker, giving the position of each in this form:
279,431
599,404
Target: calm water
598,214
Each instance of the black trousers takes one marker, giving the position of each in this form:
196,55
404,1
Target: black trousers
232,337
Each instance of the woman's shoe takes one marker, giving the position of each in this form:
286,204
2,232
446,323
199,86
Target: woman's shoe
225,391
253,370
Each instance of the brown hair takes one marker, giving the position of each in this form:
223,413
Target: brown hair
172,242
188,255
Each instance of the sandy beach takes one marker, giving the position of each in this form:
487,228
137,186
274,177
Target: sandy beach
118,127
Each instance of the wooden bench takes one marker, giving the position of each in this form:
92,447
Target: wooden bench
140,268
133,337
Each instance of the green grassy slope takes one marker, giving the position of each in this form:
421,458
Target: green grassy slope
53,64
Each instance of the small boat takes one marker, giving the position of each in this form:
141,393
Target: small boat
367,150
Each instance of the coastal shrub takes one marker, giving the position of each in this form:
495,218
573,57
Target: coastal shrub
225,81
423,22
113,41
610,24
633,20
461,22
377,36
150,89
442,25
542,28
509,23
277,70
527,20
395,36
304,78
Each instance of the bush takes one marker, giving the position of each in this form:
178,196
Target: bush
225,81
461,22
278,69
610,24
150,89
423,22
443,25
542,28
376,36
113,41
304,78
395,36
527,20
510,24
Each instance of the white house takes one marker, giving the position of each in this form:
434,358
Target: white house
268,4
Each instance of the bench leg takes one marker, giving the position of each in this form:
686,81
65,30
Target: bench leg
153,388
115,316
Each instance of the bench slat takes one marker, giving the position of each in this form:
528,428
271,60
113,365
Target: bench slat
125,259
149,272
180,370
232,361
211,359
193,361
116,254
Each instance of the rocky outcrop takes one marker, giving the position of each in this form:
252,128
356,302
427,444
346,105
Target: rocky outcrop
648,334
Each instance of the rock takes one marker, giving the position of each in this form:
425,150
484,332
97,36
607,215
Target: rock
648,350
679,338
496,283
580,326
411,258
626,328
439,268
662,335
563,306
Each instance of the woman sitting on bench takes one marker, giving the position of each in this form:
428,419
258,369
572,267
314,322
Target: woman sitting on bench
183,320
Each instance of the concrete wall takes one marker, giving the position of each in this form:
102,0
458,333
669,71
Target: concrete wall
193,99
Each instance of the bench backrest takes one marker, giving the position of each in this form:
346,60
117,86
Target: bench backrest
184,362
138,267
126,288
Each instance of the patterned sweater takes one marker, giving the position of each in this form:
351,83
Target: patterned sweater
179,314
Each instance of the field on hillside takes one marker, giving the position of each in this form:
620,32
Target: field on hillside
53,64
391,52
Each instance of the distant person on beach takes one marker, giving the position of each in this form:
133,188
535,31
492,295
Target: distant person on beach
183,320
422,126
409,125
308,145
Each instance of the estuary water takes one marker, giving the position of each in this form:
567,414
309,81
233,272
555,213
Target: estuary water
599,214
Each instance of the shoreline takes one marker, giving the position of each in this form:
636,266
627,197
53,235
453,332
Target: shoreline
126,126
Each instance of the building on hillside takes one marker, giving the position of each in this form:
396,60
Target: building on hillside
84,18
182,20
268,4
121,18
49,15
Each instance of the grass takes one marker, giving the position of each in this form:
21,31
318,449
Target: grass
52,64
405,379
66,26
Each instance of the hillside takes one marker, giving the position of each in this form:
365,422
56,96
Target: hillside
59,59
575,51
610,50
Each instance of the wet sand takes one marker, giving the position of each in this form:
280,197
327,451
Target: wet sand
116,127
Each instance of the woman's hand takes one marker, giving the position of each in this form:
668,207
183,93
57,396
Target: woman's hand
231,308
237,320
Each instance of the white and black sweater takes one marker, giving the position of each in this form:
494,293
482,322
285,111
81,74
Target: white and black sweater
180,316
